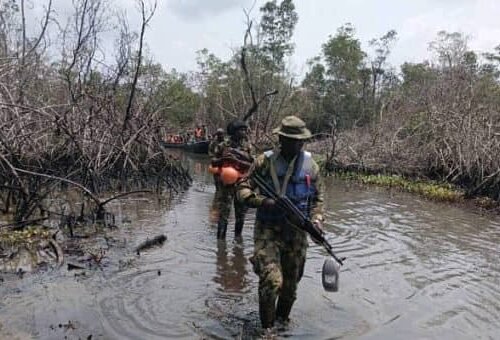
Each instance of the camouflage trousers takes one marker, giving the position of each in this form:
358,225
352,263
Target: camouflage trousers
218,183
226,197
279,259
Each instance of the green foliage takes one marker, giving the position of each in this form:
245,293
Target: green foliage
28,235
336,87
416,73
449,48
277,24
225,87
177,100
382,48
428,189
343,56
315,83
491,68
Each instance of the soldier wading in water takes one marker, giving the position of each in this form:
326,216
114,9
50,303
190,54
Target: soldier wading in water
279,248
237,131
212,149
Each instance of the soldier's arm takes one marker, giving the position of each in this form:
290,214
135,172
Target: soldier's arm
317,201
246,190
253,151
211,149
218,150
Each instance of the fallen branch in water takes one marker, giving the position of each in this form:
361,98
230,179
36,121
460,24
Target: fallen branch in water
156,241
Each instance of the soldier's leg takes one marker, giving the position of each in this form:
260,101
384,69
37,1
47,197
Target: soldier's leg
266,261
224,205
239,216
217,183
214,209
292,261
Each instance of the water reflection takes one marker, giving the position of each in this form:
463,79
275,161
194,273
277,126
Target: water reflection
414,267
231,272
214,206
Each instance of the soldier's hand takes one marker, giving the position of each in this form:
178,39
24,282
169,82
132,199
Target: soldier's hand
319,225
268,203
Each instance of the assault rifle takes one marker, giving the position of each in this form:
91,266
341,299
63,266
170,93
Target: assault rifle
295,215
235,158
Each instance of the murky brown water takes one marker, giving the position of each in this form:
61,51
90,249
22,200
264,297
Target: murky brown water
415,270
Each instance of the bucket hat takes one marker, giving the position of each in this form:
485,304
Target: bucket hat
293,127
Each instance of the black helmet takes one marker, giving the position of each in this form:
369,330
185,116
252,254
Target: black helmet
235,125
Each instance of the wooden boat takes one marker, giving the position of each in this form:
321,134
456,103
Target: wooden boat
198,147
172,145
194,147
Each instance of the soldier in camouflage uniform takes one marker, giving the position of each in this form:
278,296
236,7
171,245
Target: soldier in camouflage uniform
279,248
237,131
218,138
212,148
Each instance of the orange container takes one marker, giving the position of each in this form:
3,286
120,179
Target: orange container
229,175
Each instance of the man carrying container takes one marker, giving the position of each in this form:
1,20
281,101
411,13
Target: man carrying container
212,147
280,248
237,131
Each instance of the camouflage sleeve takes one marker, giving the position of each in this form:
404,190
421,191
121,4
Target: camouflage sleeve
317,202
218,150
253,152
246,190
211,148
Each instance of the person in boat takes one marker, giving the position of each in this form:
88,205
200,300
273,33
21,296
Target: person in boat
238,140
279,248
198,133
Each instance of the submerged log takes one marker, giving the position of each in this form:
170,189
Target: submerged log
149,243
72,266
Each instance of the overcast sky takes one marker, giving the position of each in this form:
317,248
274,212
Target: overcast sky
181,27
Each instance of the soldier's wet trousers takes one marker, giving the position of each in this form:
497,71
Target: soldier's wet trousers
279,263
226,199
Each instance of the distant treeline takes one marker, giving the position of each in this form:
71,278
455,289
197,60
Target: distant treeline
439,118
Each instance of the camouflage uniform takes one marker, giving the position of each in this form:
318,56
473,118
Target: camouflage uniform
218,138
279,248
226,196
212,148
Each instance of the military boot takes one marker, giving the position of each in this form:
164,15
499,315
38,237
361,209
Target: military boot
283,309
221,230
